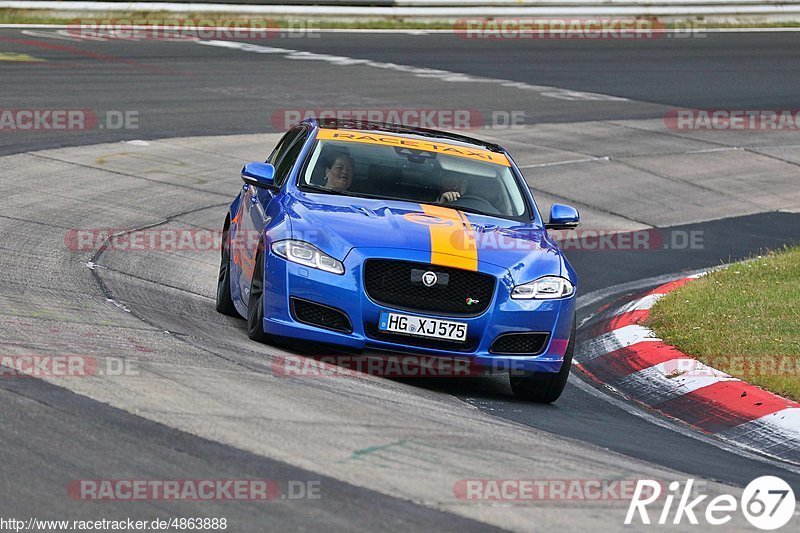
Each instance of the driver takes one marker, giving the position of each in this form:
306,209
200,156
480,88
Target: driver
339,172
451,188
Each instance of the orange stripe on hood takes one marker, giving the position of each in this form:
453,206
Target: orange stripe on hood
453,241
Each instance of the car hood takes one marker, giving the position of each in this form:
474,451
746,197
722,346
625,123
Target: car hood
337,224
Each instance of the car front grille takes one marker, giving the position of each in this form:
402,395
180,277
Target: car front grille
457,292
520,343
319,315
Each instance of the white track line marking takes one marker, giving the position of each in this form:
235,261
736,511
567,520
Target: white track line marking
614,340
654,385
420,72
787,419
633,334
567,162
776,434
48,35
642,304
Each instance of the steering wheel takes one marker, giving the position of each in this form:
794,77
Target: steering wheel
475,202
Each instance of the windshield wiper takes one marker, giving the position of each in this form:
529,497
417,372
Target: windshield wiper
317,188
466,209
471,210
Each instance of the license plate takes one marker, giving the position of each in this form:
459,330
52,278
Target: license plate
423,327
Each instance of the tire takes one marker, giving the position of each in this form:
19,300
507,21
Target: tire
224,300
544,387
255,304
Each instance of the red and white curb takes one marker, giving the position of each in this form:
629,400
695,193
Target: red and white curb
628,357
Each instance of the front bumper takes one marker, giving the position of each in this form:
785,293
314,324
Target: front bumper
346,293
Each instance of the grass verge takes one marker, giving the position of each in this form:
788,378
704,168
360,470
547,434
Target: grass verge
34,16
743,320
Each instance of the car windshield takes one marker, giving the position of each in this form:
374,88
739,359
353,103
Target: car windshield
421,171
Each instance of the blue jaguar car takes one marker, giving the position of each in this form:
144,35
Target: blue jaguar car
387,238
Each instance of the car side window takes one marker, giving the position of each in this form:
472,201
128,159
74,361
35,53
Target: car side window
285,163
283,145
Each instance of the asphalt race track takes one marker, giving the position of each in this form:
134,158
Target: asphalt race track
205,402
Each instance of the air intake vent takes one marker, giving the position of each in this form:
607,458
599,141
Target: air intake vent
319,315
520,343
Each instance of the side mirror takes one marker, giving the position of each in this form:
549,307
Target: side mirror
563,217
259,175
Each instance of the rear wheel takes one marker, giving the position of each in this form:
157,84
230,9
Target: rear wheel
255,305
544,387
224,300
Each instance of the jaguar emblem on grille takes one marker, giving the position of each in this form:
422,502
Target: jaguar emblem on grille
429,279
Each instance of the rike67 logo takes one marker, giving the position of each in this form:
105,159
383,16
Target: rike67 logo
767,502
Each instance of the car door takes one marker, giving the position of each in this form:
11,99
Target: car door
256,203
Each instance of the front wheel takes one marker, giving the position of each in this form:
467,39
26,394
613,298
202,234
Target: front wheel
255,304
544,387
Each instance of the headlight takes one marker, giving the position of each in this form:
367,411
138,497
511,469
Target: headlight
546,288
308,255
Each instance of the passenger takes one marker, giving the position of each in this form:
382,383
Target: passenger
339,173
